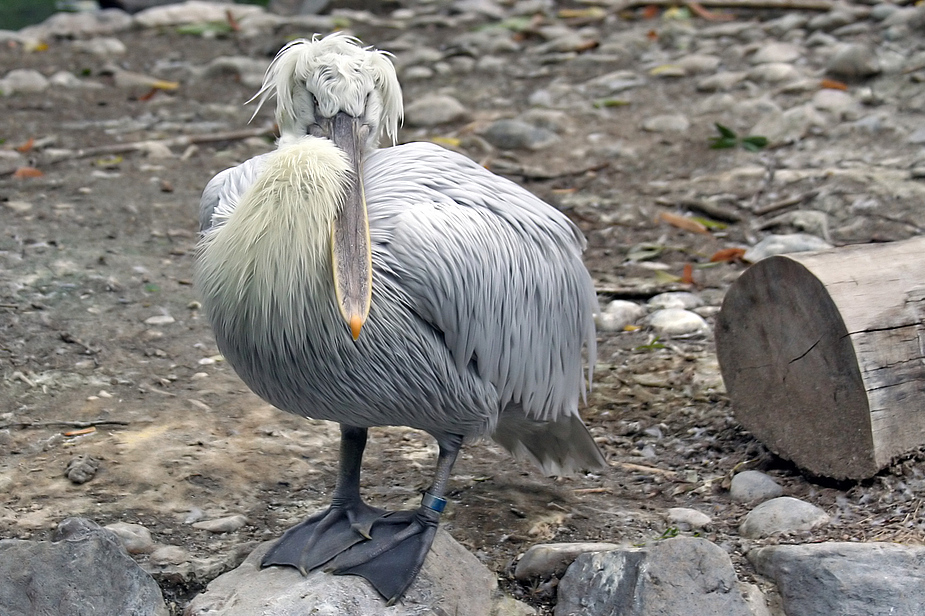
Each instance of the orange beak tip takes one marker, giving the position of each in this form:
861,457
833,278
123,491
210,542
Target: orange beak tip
356,323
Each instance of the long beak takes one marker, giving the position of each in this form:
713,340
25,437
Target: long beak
350,247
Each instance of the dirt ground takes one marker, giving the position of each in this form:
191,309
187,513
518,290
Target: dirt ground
104,351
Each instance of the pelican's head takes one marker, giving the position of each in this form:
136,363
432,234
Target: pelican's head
316,80
331,87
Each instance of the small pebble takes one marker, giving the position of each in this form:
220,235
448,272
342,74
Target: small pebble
81,469
545,560
750,486
222,525
617,315
134,537
782,514
677,322
784,244
163,319
434,110
169,555
689,517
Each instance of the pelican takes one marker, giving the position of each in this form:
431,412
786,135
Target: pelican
403,286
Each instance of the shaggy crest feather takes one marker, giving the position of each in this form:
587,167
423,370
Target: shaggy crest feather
319,77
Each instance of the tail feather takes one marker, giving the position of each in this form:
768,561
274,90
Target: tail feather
558,447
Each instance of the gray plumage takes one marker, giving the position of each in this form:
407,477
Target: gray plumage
481,307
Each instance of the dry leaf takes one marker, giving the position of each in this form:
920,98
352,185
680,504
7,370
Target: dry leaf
26,146
831,84
683,222
700,11
27,172
728,254
687,277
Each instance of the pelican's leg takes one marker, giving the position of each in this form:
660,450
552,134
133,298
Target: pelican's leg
401,540
346,522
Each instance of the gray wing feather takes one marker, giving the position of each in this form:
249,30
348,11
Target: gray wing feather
223,192
493,267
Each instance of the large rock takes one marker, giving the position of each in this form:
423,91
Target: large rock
861,579
83,570
684,575
452,581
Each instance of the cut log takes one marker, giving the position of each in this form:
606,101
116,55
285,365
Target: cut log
823,355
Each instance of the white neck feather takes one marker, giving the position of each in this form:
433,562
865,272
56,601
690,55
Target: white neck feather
274,252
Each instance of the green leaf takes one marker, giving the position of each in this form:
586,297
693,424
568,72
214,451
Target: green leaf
754,143
722,143
610,102
726,132
713,225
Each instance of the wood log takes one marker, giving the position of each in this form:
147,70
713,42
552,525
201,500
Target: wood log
823,355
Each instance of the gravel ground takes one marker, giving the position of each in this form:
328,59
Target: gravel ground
104,352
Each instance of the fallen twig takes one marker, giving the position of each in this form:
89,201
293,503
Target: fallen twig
140,146
783,203
67,424
645,469
797,5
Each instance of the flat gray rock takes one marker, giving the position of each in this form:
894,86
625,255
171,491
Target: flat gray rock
545,560
684,575
783,514
861,579
84,570
452,581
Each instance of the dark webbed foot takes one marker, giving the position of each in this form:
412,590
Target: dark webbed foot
323,536
394,555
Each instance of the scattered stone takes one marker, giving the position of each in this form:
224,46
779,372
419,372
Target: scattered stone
83,570
20,207
840,104
687,518
774,72
862,579
721,82
249,70
518,135
778,53
668,123
79,25
434,110
788,126
677,322
82,469
853,61
101,46
161,319
545,560
135,538
751,486
193,11
782,514
169,555
675,299
696,63
23,81
618,314
222,525
784,244
452,581
684,575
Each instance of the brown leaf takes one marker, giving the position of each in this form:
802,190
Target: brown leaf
700,11
26,146
831,84
683,222
687,277
728,255
22,173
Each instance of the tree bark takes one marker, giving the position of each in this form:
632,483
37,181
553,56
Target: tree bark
823,355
